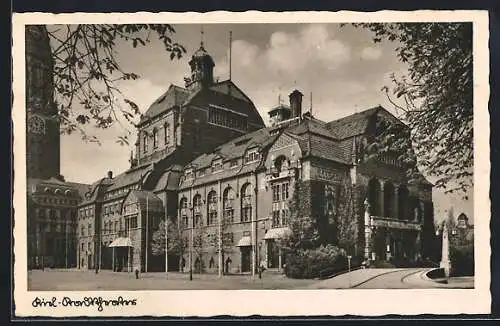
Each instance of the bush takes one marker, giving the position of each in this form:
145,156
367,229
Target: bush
308,263
462,260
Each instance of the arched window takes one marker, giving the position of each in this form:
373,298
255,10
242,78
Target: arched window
227,203
212,208
403,205
246,202
389,200
374,197
155,138
183,204
280,164
197,210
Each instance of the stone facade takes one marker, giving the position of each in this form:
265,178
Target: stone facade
205,160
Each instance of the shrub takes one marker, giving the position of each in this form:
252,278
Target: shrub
308,263
462,260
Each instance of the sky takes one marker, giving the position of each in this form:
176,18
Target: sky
341,66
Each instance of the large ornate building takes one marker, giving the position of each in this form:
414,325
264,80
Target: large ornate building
205,160
51,202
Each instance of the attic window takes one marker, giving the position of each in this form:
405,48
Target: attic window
188,174
233,163
251,156
201,172
217,165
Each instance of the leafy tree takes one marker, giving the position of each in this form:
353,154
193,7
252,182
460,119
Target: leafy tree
176,241
435,97
346,223
86,71
304,232
226,242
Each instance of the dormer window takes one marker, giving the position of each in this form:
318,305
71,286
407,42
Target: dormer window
188,174
233,163
252,155
217,165
201,172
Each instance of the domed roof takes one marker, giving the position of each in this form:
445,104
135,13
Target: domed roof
201,52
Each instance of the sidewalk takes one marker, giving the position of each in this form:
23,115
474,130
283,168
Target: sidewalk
355,278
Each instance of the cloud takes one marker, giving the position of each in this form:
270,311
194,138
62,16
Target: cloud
371,53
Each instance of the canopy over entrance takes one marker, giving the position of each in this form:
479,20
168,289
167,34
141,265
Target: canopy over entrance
121,242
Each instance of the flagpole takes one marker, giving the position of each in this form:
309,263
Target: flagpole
147,227
166,236
230,52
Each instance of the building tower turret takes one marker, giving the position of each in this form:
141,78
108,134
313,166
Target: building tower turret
202,70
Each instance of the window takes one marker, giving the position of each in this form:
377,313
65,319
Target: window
227,202
155,138
185,221
276,218
188,174
166,133
246,202
197,204
276,192
228,239
212,207
145,143
116,226
227,118
233,163
89,229
251,156
133,222
284,191
284,217
217,165
83,231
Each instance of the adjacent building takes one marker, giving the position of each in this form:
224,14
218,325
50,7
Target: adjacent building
51,201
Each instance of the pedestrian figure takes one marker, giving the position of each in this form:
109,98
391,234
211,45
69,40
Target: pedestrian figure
137,273
262,267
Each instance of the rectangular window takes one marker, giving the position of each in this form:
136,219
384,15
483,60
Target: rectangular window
276,192
83,230
166,133
133,222
212,217
145,143
185,221
284,191
228,216
276,219
227,119
246,214
217,166
155,138
233,163
228,239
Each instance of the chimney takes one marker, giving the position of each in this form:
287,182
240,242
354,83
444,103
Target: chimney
110,174
296,103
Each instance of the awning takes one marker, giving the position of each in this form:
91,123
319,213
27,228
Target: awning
244,242
121,242
276,233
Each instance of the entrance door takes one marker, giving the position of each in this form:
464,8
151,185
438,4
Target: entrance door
245,259
272,254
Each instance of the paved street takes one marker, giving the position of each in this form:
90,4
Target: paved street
373,278
74,280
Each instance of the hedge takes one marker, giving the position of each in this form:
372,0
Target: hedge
308,263
462,260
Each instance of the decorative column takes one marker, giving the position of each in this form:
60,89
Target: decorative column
445,249
220,216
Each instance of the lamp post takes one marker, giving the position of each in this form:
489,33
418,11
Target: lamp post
191,245
349,269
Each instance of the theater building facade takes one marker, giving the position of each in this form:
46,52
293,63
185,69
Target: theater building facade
205,160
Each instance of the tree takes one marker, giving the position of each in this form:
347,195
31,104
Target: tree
303,229
176,241
86,71
198,247
226,242
346,222
435,97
